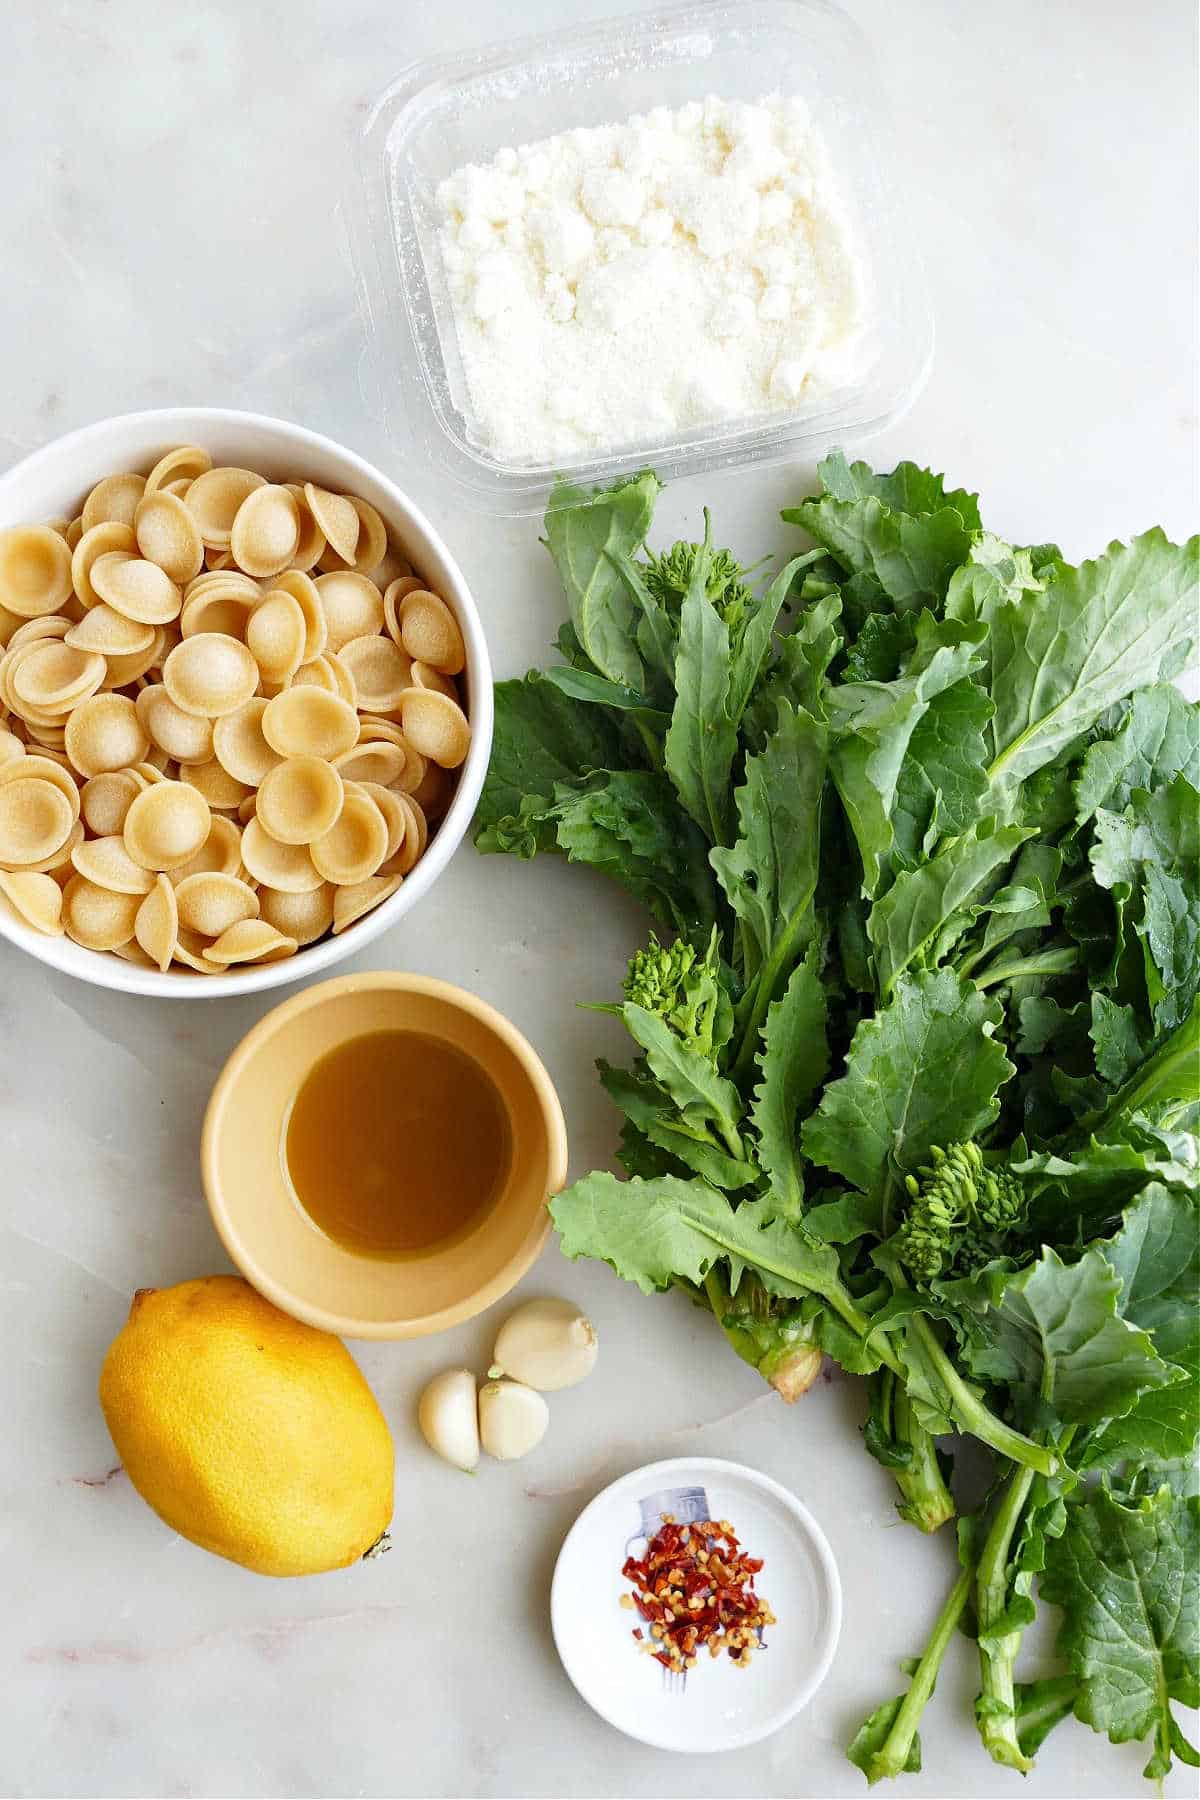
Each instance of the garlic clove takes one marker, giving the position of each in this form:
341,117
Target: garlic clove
512,1419
547,1344
449,1419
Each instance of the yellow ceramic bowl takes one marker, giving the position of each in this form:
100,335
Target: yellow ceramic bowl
283,1253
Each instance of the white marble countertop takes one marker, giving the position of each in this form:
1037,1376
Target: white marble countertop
171,179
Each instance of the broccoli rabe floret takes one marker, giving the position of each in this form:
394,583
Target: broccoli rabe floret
960,1213
685,990
669,576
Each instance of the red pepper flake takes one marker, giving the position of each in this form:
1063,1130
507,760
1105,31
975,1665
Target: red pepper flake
695,1588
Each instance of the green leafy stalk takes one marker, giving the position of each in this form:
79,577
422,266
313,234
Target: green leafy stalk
1059,658
780,1346
654,1231
895,1437
701,741
1022,968
928,1503
1041,1705
967,1409
793,1062
583,531
770,873
887,1745
996,1708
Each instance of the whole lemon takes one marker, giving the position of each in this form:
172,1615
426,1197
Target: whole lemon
251,1434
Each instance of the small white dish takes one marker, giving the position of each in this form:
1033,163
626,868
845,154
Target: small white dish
716,1706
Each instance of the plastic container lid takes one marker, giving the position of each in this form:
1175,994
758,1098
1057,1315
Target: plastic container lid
453,110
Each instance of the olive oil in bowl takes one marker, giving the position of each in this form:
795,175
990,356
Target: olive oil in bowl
396,1144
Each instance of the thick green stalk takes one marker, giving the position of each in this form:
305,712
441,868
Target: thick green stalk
968,1410
784,1355
1045,962
928,1503
733,1139
1006,1724
970,1413
995,1710
781,960
891,1758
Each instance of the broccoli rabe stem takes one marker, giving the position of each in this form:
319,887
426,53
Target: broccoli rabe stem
894,1436
995,1709
969,1412
891,1758
928,1503
1014,968
1000,1711
760,993
782,1351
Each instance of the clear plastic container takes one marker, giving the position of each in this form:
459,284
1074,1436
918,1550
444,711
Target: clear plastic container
453,110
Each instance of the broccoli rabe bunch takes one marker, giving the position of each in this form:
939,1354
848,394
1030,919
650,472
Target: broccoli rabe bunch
685,990
960,1214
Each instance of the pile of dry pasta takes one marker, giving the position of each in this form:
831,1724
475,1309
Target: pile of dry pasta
228,716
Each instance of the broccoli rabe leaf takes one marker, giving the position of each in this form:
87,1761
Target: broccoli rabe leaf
872,724
1117,1041
1056,1335
582,530
868,1742
1156,1256
1162,828
753,643
1149,858
907,922
627,824
770,872
1158,739
925,1070
1062,657
650,1232
943,778
541,738
698,1091
649,1109
793,1061
881,648
907,489
701,742
597,690
800,671
1127,1577
907,558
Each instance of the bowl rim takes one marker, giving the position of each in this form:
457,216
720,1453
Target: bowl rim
109,971
256,1041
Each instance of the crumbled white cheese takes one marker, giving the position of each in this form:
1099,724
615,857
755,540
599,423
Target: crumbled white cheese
632,281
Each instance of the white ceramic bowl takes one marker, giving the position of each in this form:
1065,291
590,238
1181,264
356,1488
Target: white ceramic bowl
715,1706
53,482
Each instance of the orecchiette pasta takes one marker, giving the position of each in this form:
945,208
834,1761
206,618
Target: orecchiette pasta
228,710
